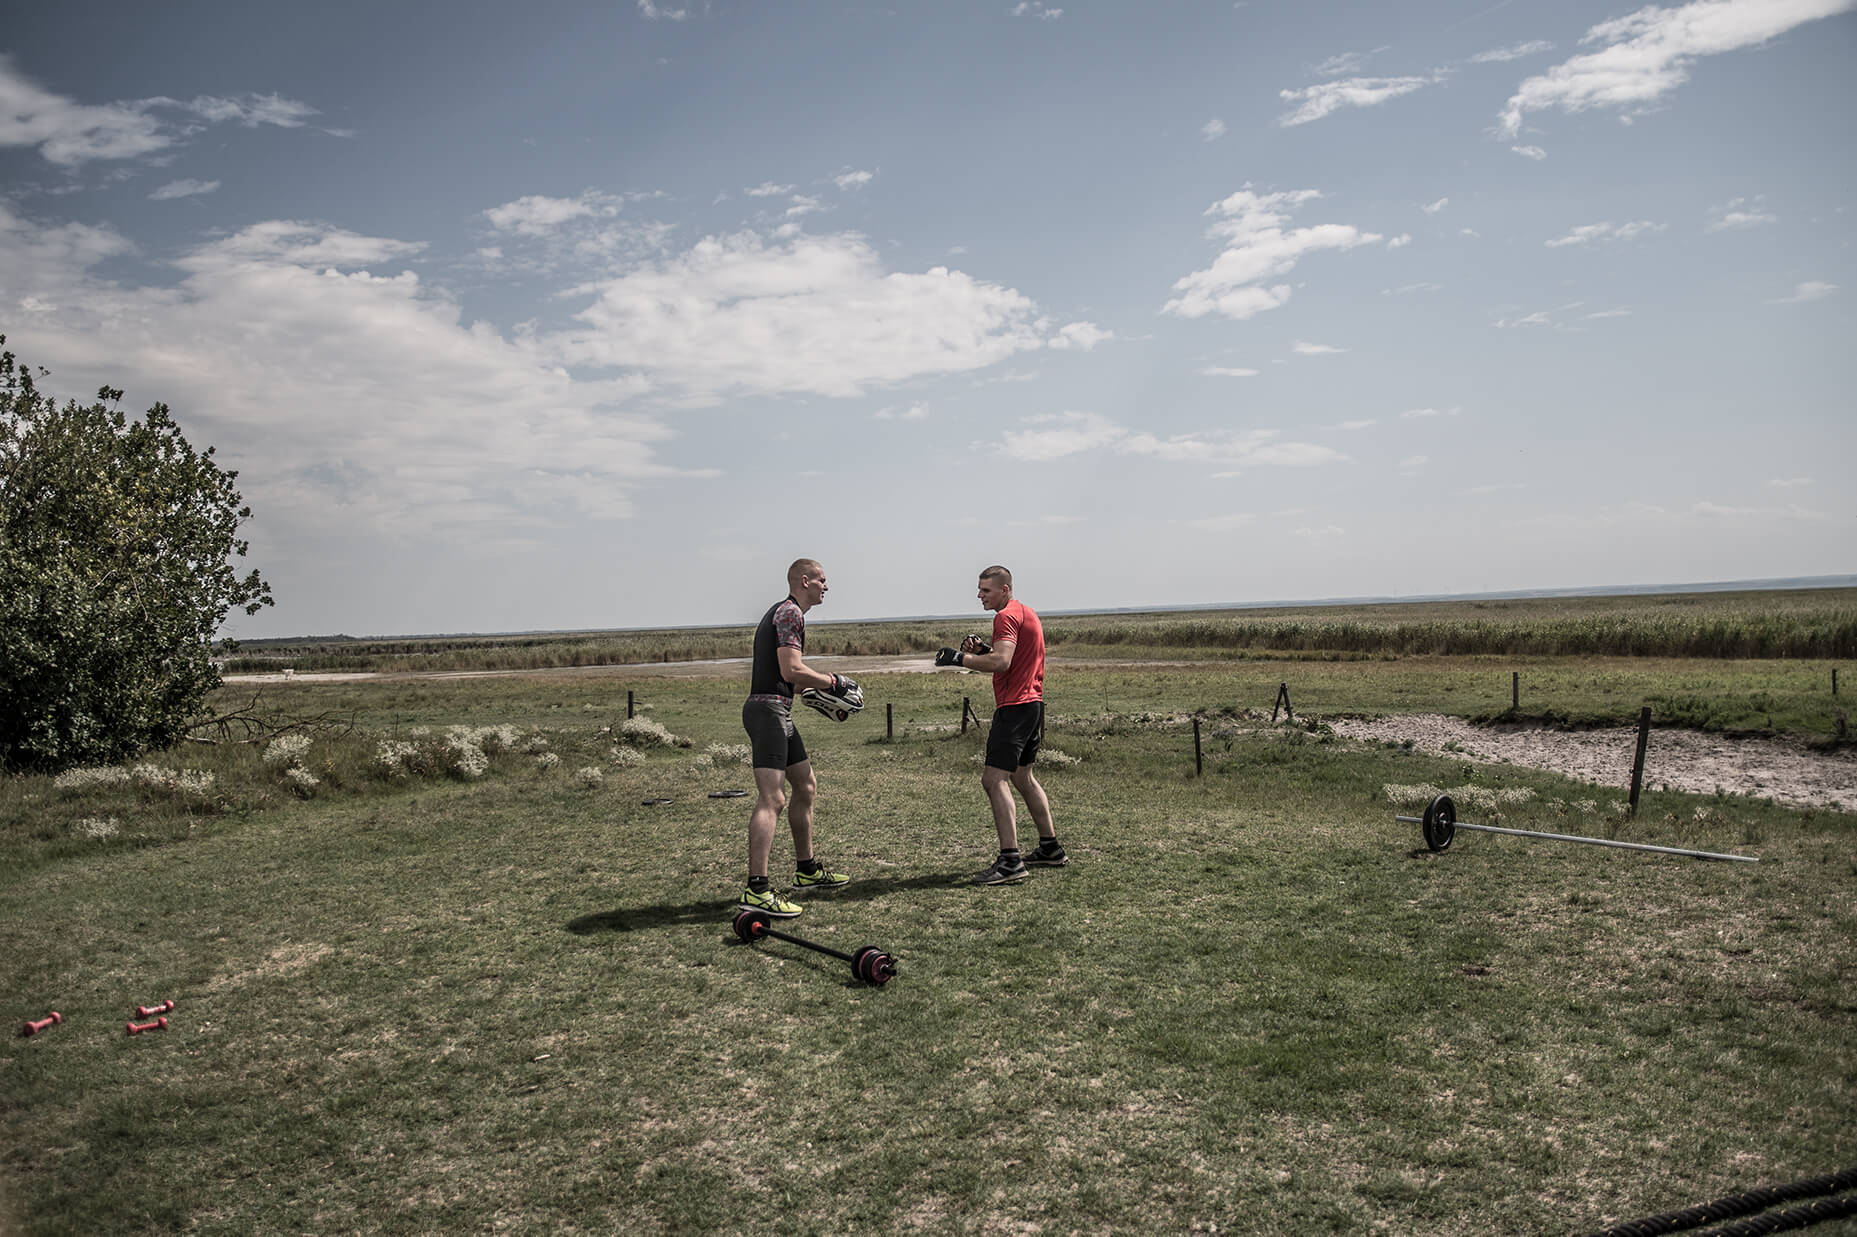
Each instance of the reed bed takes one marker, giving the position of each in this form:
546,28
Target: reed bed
1800,623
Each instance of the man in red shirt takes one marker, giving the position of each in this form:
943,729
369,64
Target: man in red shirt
1016,660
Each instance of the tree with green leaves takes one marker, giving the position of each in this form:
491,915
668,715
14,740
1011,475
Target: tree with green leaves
117,542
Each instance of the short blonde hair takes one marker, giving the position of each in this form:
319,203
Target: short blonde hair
801,568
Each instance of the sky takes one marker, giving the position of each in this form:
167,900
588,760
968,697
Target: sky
570,316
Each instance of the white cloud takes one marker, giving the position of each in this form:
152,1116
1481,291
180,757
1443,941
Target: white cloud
353,397
183,189
1516,52
1053,436
915,412
1320,100
653,13
1437,206
69,133
853,180
768,189
1215,371
536,215
1082,336
1740,213
1811,290
1031,8
1303,348
1530,152
1791,483
1648,53
799,314
1355,426
1416,414
803,206
1606,231
1724,511
1610,313
1257,249
1213,129
1400,241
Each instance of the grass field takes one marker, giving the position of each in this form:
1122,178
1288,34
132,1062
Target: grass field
430,1002
1794,623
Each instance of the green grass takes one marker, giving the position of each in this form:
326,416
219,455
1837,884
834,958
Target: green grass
1252,1001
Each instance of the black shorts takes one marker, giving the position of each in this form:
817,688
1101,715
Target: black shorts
772,736
1017,731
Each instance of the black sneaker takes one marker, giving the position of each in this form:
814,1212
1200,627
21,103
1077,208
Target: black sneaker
1003,872
1048,855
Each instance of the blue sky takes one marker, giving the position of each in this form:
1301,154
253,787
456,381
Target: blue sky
595,315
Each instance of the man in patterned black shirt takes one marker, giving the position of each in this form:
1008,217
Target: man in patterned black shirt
779,752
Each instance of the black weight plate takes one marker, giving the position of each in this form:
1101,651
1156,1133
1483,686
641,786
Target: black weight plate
654,802
1440,823
728,794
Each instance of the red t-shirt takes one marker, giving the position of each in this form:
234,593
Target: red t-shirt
1024,680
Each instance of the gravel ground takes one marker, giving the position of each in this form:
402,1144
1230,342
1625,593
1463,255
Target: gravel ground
1778,769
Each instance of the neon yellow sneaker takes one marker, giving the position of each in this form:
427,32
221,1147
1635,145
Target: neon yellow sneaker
821,879
769,903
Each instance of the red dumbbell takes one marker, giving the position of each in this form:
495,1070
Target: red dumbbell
159,1024
149,1011
50,1020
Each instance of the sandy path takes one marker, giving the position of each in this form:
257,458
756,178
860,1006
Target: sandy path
1779,769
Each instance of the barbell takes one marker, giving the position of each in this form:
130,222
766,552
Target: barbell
1440,825
869,964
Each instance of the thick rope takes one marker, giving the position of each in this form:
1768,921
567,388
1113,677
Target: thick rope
1817,1210
1745,1204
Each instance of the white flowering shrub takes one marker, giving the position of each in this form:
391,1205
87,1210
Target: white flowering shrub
729,753
399,757
97,828
643,732
548,760
590,777
626,757
287,750
90,779
1056,759
301,780
462,756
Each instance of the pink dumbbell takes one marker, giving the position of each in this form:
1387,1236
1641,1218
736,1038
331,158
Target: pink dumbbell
149,1011
159,1024
50,1020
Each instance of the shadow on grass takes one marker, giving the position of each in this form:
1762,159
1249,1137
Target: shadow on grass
710,910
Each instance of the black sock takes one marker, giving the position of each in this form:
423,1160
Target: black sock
1049,843
809,866
758,884
1012,854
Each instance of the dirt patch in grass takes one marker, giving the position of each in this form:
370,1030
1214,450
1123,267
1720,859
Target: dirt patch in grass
1683,760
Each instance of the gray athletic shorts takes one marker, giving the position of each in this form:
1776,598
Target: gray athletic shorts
775,740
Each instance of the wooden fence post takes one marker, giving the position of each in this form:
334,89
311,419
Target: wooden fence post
889,721
629,713
1199,764
1515,691
1637,764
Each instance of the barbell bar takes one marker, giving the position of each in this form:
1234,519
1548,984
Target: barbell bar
870,964
1440,824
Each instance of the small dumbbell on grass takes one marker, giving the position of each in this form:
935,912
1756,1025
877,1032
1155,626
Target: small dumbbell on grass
159,1024
34,1027
149,1011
